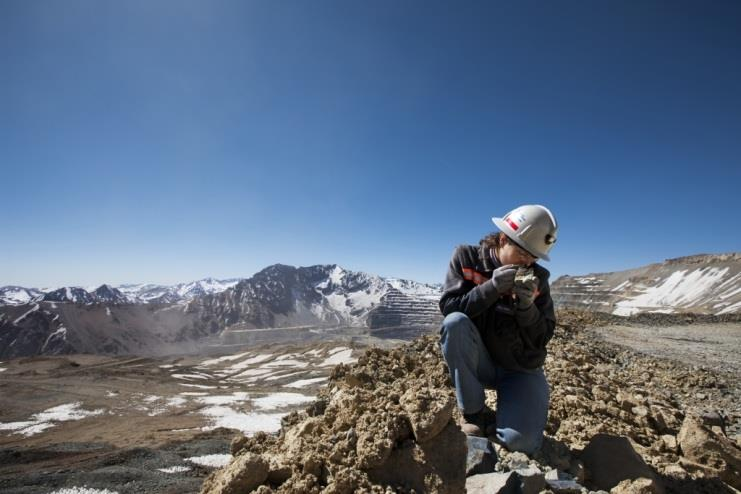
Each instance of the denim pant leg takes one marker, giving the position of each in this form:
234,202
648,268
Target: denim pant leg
522,409
468,360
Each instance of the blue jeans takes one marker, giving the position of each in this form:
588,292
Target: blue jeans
522,396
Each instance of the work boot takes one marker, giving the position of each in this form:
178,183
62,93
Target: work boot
474,424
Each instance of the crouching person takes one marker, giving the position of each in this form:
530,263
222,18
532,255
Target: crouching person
499,318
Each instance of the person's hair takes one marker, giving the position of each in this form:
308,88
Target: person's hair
494,240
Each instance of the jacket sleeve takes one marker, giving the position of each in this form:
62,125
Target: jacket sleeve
461,295
538,322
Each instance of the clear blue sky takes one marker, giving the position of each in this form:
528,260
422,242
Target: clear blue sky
166,141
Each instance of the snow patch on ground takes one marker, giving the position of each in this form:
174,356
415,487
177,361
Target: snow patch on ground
253,372
227,358
248,423
3,369
201,386
214,461
46,419
305,382
250,361
280,400
238,397
192,376
82,490
175,469
340,357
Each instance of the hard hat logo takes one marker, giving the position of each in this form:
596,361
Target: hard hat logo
532,227
511,223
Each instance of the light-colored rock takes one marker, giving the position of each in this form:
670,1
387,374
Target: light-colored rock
669,442
493,483
636,486
675,471
429,411
715,454
244,474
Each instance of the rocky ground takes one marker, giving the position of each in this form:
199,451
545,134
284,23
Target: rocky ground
620,420
154,425
652,397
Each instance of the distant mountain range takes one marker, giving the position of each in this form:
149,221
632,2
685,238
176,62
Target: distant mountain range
141,293
152,319
704,284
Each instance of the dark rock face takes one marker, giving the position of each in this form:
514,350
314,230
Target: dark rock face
30,331
108,294
611,459
70,294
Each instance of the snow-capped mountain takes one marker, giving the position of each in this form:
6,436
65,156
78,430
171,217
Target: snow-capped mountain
122,294
705,283
18,295
322,295
108,294
74,294
277,297
147,293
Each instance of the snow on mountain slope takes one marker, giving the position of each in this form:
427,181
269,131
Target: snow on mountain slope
17,295
709,284
141,293
322,295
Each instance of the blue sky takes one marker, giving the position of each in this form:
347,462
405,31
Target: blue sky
168,141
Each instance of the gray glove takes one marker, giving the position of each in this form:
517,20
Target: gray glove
503,279
525,292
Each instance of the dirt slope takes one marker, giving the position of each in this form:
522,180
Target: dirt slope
387,423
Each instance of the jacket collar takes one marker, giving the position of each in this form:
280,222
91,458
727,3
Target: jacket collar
486,261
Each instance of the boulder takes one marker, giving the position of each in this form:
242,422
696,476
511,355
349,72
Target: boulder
611,459
493,483
532,480
429,411
715,454
481,458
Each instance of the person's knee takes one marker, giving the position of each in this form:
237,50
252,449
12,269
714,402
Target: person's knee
525,442
456,322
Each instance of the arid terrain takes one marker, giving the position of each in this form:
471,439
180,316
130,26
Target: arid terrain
163,424
131,424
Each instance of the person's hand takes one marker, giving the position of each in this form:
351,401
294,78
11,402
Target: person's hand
525,292
503,278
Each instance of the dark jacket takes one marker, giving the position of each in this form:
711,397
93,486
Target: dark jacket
515,339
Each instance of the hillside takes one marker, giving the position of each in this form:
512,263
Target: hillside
702,284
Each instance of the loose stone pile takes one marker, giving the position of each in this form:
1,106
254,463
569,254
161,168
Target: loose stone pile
618,421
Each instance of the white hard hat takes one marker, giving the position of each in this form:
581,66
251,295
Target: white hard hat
532,227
